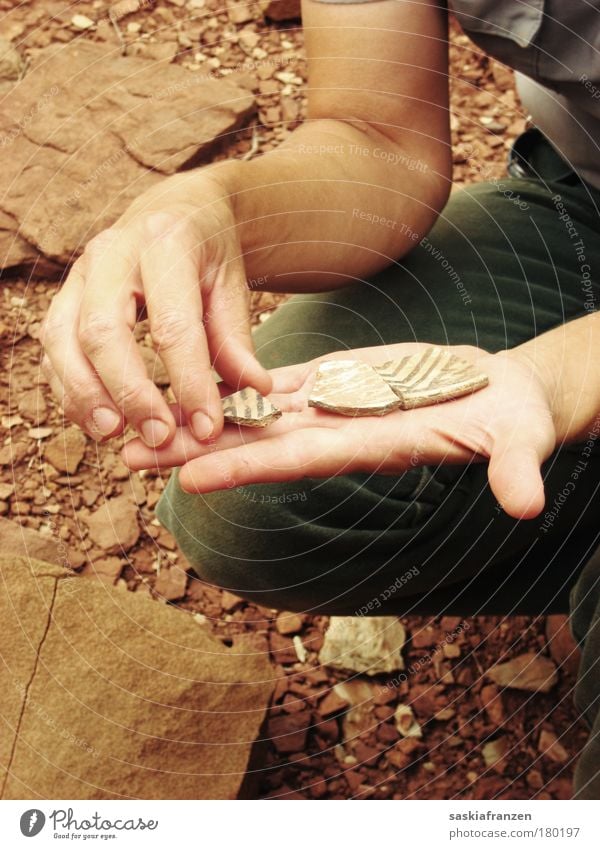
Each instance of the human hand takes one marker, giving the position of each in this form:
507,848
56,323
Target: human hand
175,254
509,423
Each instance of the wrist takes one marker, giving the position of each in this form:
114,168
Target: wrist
538,361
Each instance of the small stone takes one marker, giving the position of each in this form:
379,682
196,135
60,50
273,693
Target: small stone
370,645
494,752
249,408
66,451
288,732
406,723
451,650
171,583
89,497
40,432
289,623
229,601
280,10
492,703
82,22
403,752
444,714
531,672
107,569
6,490
241,11
332,704
424,638
561,645
351,388
549,745
299,648
11,63
114,526
32,406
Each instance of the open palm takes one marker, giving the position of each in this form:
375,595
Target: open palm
509,424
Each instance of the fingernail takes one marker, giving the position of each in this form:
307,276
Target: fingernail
201,425
154,432
105,420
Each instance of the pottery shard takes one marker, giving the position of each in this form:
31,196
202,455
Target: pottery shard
372,645
351,388
66,450
431,376
281,10
114,526
86,130
107,694
249,408
532,672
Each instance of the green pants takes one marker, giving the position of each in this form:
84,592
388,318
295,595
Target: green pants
501,265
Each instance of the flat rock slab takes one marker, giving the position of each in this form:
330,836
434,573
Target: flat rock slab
18,541
351,388
249,408
87,130
107,694
431,377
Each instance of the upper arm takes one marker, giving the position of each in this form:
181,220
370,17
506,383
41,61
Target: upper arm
384,64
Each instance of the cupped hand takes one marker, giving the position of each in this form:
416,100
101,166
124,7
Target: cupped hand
175,255
509,424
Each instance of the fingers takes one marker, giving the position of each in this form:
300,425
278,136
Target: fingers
514,470
228,331
107,315
72,379
312,452
170,265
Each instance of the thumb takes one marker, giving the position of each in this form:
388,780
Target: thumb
228,330
514,472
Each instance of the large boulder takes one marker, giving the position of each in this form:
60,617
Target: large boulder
108,695
87,130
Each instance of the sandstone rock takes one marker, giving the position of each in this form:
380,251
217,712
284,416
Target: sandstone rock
494,753
289,623
549,745
561,645
96,123
242,11
171,583
32,406
125,697
406,723
11,62
107,569
372,645
66,450
531,672
114,526
281,10
18,541
491,699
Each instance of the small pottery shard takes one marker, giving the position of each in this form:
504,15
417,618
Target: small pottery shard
352,388
249,408
430,377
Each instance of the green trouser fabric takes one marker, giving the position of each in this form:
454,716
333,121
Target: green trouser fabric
502,264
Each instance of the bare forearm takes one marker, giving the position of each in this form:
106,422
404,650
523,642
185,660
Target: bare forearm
336,202
567,358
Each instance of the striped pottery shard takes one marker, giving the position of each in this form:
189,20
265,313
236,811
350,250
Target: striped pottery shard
430,377
249,408
351,388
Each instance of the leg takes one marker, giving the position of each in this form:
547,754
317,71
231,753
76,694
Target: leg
494,272
585,622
